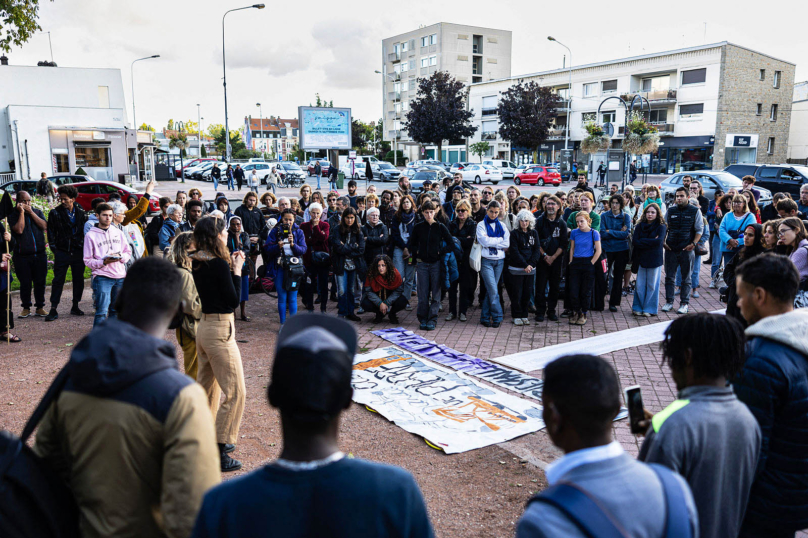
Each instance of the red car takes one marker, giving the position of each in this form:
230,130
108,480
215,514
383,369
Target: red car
102,189
325,165
538,175
189,163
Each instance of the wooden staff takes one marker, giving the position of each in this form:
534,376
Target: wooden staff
8,289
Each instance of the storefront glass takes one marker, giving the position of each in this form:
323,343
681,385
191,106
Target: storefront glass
92,157
672,160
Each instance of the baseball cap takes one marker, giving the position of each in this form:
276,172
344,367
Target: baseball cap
427,183
311,375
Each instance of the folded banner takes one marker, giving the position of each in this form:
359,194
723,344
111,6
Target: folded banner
493,373
447,408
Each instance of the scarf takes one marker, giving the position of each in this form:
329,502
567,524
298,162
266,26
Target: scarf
497,230
379,282
406,225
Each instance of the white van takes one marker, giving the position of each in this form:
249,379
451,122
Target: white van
507,168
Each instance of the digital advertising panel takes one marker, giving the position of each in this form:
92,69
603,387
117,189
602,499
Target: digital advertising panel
324,128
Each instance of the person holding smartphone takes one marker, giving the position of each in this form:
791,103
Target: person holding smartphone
106,251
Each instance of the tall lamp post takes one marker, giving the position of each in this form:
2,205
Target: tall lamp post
395,140
224,70
199,132
132,76
261,126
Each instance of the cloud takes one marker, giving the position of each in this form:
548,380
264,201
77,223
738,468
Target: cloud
351,60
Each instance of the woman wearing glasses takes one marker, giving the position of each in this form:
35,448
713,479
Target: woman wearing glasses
793,237
464,229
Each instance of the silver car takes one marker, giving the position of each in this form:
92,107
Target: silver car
710,180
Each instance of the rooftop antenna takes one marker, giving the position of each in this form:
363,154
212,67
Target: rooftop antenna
50,44
705,33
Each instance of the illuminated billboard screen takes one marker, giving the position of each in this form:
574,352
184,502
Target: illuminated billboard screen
324,128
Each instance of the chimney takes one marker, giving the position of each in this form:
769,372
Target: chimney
3,60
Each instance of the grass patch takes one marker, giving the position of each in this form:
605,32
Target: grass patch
15,284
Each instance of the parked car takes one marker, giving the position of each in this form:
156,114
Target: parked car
324,164
189,163
195,171
358,171
69,179
418,178
102,189
261,167
206,174
538,174
290,169
424,162
507,168
709,180
29,185
457,167
481,172
774,177
387,172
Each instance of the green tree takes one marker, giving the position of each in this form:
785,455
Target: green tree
526,111
479,149
179,141
322,103
400,154
18,22
146,127
170,125
202,151
236,144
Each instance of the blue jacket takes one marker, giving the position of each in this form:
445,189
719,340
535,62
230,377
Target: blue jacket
774,385
169,230
613,237
450,271
648,240
273,250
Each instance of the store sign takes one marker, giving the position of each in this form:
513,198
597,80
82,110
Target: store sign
88,135
742,141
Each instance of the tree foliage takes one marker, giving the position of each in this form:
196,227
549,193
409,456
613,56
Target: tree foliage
321,103
236,144
170,125
18,22
146,127
439,111
526,111
178,141
479,149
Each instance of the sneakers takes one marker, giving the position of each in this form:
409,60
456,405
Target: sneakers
552,316
450,317
695,294
581,319
518,321
612,309
430,326
712,285
496,324
360,310
41,313
573,318
423,326
485,323
26,312
647,314
566,313
636,313
462,317
525,321
227,448
625,292
408,307
75,311
53,314
667,307
683,309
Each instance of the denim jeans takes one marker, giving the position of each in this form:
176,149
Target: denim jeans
318,182
715,250
286,299
428,284
646,294
345,294
105,290
332,185
490,272
694,276
406,270
682,260
215,184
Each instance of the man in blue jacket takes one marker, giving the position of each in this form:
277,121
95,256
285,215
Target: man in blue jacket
615,230
774,385
313,489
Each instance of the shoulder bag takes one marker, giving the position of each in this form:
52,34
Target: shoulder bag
476,256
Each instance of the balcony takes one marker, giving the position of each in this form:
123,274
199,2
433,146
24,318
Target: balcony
489,112
488,136
665,129
557,133
653,96
563,104
394,96
394,57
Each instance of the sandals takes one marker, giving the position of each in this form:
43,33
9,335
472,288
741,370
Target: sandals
11,338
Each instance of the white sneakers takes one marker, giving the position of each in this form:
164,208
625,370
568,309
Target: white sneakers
683,309
518,321
667,307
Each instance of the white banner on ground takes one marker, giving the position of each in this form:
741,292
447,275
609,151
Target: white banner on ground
537,359
447,408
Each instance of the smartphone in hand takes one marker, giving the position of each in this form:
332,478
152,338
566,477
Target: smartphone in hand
636,414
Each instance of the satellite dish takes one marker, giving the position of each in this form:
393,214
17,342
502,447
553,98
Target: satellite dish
608,129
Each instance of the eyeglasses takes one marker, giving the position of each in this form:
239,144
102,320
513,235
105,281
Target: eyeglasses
462,210
781,233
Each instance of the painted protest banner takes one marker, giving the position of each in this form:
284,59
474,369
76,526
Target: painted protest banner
447,408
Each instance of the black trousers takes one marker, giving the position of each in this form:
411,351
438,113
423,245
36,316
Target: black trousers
397,306
31,270
316,279
61,262
616,263
581,279
474,279
544,274
462,284
522,289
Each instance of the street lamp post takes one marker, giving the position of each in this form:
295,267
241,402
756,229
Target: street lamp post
395,140
224,70
132,76
198,133
261,127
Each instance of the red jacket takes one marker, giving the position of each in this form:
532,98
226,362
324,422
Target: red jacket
316,239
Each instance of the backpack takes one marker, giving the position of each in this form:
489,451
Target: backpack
34,501
592,518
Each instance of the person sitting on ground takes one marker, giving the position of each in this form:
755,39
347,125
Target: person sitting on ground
581,398
706,435
335,495
128,416
382,293
774,385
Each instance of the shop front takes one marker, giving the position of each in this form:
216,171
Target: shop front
683,154
740,148
101,154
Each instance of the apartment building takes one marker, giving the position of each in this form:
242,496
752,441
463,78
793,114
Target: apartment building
275,136
713,105
798,134
471,54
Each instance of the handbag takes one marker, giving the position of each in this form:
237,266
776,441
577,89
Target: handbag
476,256
293,272
321,258
700,249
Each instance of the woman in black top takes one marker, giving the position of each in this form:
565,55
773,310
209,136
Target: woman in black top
347,249
217,276
464,229
523,261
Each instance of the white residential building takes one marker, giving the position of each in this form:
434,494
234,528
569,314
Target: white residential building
469,53
713,105
798,135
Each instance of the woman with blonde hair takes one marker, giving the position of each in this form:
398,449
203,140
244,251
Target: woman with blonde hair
179,255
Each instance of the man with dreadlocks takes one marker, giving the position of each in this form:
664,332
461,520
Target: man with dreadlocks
707,435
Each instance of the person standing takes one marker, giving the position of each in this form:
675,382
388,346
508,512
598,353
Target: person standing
376,235
403,223
255,181
286,240
179,255
347,250
28,226
601,174
369,171
316,259
553,241
333,175
106,252
194,211
238,240
648,238
732,226
794,241
615,231
684,227
220,367
216,176
229,176
252,221
774,385
525,254
318,171
706,435
170,226
753,246
45,188
494,239
238,175
463,229
66,241
6,276
429,241
273,178
585,251
802,203
587,202
633,172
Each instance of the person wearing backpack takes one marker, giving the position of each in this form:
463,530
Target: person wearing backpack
596,485
131,435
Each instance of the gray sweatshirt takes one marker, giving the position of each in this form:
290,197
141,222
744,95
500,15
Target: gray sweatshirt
712,439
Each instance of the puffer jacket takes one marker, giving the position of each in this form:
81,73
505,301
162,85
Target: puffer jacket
774,385
131,435
342,248
376,240
60,231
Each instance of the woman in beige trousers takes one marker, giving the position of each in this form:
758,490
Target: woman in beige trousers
217,275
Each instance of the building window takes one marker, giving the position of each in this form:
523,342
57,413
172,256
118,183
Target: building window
425,41
609,116
770,146
397,69
489,107
563,93
609,86
92,157
433,60
657,116
396,48
691,111
586,117
404,47
773,113
590,89
759,109
762,74
694,76
405,85
62,163
489,131
433,39
103,97
404,67
777,79
425,61
656,83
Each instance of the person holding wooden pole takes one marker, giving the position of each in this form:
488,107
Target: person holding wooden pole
5,286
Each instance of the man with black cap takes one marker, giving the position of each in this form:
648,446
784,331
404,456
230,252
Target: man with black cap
313,489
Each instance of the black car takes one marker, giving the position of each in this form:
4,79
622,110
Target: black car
775,177
742,169
27,185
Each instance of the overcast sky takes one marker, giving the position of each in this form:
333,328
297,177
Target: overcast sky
282,55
